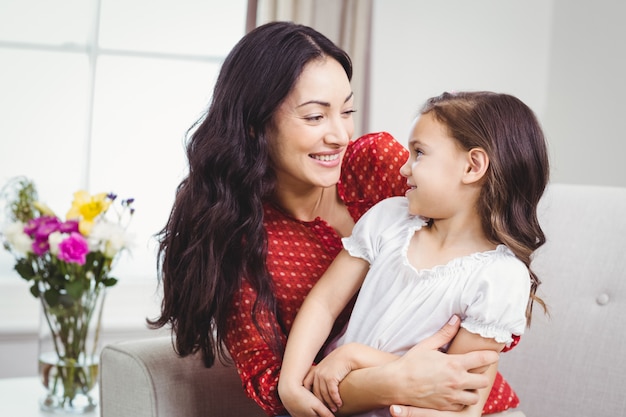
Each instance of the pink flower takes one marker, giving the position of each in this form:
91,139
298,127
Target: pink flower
74,249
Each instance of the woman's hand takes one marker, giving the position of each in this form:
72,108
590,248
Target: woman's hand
464,342
436,380
446,382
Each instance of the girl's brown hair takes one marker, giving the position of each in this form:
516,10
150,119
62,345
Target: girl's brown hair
509,132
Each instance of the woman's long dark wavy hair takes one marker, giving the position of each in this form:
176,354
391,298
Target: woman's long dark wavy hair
518,173
214,237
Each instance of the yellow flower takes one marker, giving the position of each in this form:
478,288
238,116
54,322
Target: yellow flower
85,208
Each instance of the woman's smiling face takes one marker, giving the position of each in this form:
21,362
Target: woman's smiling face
312,127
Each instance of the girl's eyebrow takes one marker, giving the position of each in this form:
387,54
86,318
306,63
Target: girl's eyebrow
416,142
325,103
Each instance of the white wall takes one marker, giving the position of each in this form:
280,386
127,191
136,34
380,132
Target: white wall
586,91
565,58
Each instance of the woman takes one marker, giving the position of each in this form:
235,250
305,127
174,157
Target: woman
274,183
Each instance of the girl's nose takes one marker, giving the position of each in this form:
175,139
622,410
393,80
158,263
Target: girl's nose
405,170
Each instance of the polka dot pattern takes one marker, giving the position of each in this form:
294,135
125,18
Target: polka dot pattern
298,254
502,397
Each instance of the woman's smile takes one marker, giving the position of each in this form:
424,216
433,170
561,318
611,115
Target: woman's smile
330,160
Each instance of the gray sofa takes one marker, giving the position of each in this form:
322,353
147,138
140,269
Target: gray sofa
568,364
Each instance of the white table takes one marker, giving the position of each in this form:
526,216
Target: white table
19,397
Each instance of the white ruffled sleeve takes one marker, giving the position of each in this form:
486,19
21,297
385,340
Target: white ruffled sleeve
369,231
495,299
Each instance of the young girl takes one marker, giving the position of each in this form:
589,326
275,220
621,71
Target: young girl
458,243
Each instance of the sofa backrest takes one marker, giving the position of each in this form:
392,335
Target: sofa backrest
573,362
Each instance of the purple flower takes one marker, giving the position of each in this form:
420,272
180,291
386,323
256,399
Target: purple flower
39,229
74,249
69,226
40,247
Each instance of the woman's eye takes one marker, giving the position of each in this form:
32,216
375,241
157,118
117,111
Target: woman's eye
315,118
349,112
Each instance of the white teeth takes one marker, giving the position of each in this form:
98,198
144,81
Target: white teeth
326,158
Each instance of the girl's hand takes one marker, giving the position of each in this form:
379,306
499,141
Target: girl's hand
302,403
323,380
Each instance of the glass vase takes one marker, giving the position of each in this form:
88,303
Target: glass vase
69,348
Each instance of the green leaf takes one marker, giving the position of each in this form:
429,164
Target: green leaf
52,297
67,301
109,282
75,289
34,290
56,277
25,269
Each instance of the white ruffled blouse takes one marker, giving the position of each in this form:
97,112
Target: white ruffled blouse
398,306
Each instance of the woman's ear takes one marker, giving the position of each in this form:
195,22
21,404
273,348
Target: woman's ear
477,165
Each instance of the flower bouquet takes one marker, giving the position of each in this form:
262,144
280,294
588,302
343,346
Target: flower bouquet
68,263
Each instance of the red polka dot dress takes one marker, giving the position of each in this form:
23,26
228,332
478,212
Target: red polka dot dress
298,254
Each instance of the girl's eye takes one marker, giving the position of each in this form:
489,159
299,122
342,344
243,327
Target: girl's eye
418,153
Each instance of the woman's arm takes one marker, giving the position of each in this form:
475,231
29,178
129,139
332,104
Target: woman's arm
423,377
249,349
311,328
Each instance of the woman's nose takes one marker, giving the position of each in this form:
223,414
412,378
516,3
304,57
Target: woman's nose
340,131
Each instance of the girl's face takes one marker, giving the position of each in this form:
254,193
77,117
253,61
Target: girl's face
312,127
434,170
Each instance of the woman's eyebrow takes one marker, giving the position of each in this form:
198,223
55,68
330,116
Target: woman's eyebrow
324,103
321,103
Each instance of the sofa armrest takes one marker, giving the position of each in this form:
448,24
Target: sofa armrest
145,378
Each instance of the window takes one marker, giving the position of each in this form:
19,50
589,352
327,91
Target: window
98,94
